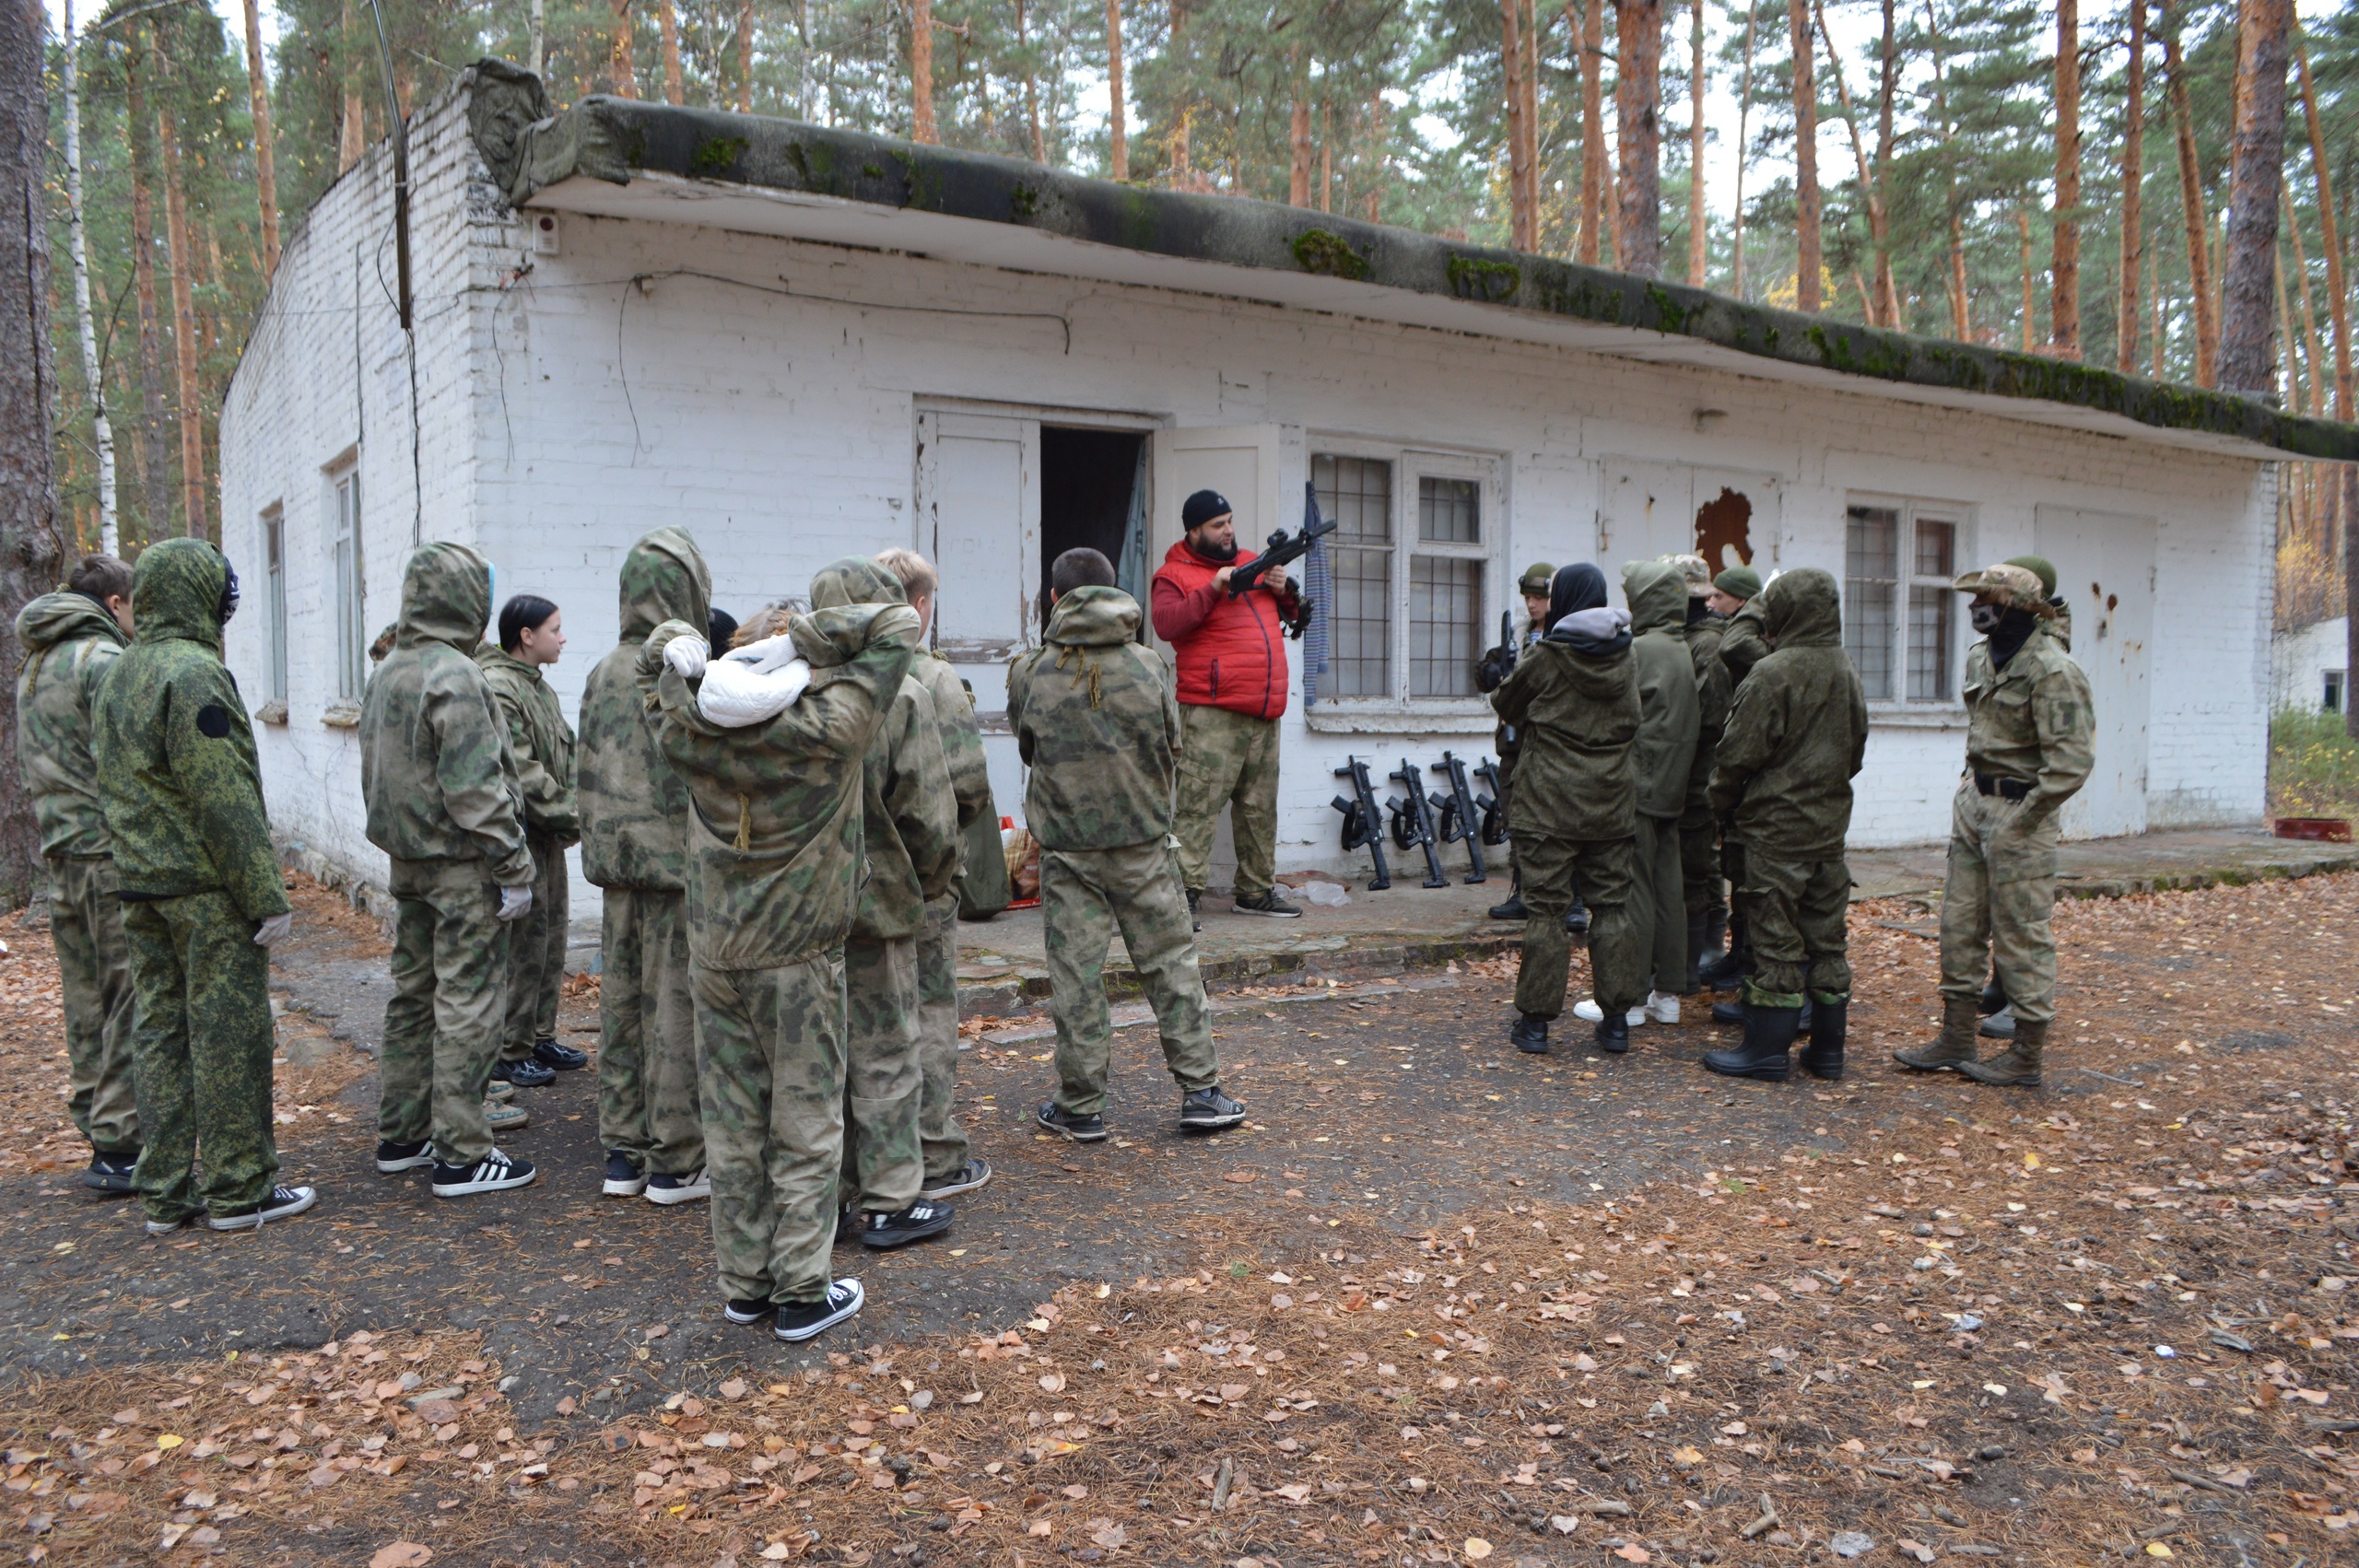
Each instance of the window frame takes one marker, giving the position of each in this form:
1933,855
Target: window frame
347,594
272,526
1910,510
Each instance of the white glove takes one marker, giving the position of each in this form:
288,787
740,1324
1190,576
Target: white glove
515,901
764,656
737,693
687,655
270,929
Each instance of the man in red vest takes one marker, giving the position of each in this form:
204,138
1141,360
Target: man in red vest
1232,658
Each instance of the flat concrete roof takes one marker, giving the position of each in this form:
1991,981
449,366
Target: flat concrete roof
623,157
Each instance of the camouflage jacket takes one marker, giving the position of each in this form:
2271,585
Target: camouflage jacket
962,737
2034,721
634,807
909,818
70,644
1671,710
1713,689
774,856
1095,721
178,780
1797,733
435,770
540,743
1575,716
1742,644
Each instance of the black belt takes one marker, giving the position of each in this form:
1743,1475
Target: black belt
2005,788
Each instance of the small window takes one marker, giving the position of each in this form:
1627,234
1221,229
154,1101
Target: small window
2330,699
273,549
1407,619
1899,610
1357,493
351,631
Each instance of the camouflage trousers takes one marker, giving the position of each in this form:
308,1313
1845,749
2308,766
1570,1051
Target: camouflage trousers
1228,759
1616,955
1699,856
770,1067
1086,895
94,971
1996,901
449,971
647,1033
1798,910
939,1134
884,1082
203,1043
1658,906
536,952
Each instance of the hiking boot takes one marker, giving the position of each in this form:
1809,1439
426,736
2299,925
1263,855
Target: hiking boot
559,1057
284,1203
623,1178
1768,1035
685,1188
1588,1011
393,1159
2000,1025
1270,904
1528,1035
1209,1110
1196,921
1576,919
1661,1009
494,1173
501,1117
1831,1022
1694,980
2017,1067
499,1091
1613,1036
1952,1046
1512,908
1088,1129
109,1173
975,1173
918,1220
800,1320
738,1311
524,1073
1993,997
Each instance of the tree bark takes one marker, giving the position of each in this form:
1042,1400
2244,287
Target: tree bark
624,75
1299,149
745,56
1031,85
1879,224
1511,82
2191,197
1699,235
1178,149
1807,260
1638,135
667,22
921,124
1326,163
2248,316
2064,275
2133,175
85,320
155,485
352,126
194,512
265,158
2337,303
1592,59
1530,19
2309,310
1887,89
2031,312
535,40
1119,150
1744,152
30,550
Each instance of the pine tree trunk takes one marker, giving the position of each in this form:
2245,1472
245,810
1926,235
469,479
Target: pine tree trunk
1531,20
85,320
1887,89
2246,316
1031,84
194,510
155,484
745,56
1117,149
667,22
1326,164
1299,149
1637,133
29,549
2133,175
1511,82
2309,313
266,157
2031,312
622,72
352,127
1743,151
1878,222
536,38
1592,59
1807,260
2191,197
1179,109
2337,301
921,124
2064,277
1699,235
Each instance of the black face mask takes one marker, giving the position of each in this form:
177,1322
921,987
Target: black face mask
229,605
1202,545
2007,637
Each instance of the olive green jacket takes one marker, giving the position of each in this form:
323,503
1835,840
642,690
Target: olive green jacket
1797,733
1575,716
540,743
634,807
70,645
1713,689
1670,707
1097,722
2034,721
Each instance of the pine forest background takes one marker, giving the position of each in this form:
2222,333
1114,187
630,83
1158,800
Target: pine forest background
1947,146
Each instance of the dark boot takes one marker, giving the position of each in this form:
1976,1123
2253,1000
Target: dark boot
1824,1057
1952,1047
1613,1031
1727,972
1729,1012
1716,936
1694,982
1809,1018
2017,1067
1577,917
2000,1025
1528,1035
1768,1035
1511,908
1994,996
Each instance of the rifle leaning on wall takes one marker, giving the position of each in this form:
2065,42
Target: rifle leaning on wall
1412,821
1362,819
1494,809
1457,813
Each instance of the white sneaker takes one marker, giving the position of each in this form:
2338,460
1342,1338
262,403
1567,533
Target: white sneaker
1661,1009
668,1189
494,1173
1588,1011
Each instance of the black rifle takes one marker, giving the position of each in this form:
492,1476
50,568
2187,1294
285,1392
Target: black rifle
1493,805
1458,814
1412,821
1362,819
1284,548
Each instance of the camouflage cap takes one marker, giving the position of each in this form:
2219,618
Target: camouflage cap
1739,583
1697,570
1536,578
2008,584
2039,567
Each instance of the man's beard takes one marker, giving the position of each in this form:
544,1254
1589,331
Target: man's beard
1204,546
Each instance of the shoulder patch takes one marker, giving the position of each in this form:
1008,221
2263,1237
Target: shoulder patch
213,719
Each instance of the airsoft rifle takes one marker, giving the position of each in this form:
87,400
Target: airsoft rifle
1494,809
1412,821
1283,549
1458,816
1362,819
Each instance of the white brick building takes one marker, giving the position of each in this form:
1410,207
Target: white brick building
799,343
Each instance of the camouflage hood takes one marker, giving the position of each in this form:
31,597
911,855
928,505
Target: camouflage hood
1657,595
1803,609
446,597
176,592
855,579
63,617
664,578
70,645
1093,617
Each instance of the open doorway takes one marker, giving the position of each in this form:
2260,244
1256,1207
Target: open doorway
1093,493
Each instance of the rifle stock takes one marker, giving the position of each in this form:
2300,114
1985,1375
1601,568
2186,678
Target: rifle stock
1493,805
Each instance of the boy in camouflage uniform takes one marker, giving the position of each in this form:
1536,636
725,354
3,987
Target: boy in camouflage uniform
442,801
2029,747
634,846
910,831
774,869
1699,856
1095,721
71,639
203,898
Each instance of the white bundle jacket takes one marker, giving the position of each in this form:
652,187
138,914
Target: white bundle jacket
754,684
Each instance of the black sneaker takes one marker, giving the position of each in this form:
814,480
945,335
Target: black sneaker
1080,1129
975,1173
284,1203
392,1158
1512,909
1528,1035
525,1074
1270,904
560,1057
1209,1110
1195,921
684,1189
109,1173
1613,1033
623,1178
747,1311
494,1173
918,1220
800,1320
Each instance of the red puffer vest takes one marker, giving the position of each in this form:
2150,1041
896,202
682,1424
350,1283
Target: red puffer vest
1232,652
